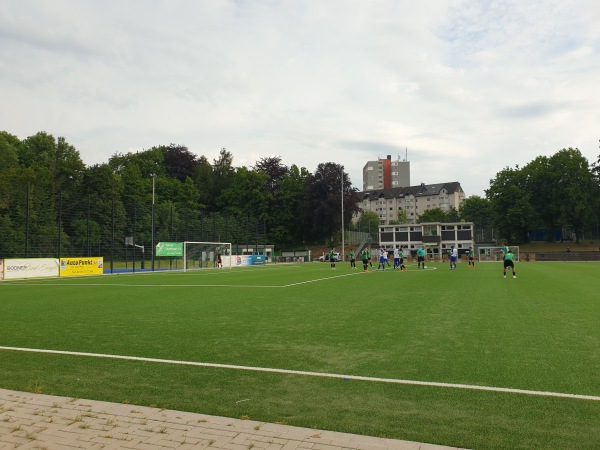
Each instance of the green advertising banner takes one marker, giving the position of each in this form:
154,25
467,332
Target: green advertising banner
169,249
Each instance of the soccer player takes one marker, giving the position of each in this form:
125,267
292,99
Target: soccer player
504,250
369,256
470,257
332,258
421,257
508,262
352,260
397,257
402,266
453,257
365,258
382,254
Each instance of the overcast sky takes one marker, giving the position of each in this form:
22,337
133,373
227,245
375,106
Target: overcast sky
468,87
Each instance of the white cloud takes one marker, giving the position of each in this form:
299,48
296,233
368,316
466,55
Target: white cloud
469,87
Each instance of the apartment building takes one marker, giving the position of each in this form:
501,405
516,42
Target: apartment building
415,200
386,174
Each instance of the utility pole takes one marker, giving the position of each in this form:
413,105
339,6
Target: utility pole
342,198
152,248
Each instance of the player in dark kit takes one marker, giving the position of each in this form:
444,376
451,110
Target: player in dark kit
332,258
365,259
421,257
470,257
352,260
402,266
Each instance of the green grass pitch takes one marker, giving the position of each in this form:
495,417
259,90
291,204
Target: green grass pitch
539,332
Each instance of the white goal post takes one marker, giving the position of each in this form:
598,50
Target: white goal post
490,254
205,255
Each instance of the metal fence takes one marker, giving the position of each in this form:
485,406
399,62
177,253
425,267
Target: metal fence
123,233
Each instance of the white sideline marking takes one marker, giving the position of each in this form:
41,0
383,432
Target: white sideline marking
194,272
186,285
153,285
312,374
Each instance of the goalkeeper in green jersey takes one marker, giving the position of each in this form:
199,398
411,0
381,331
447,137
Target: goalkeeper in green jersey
509,257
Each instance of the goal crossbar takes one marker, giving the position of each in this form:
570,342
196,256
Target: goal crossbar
492,254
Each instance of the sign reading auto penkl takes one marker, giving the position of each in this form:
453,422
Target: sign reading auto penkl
30,268
77,267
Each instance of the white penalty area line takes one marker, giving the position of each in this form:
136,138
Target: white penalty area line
312,374
321,279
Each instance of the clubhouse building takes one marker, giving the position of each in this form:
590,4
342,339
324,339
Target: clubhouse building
438,238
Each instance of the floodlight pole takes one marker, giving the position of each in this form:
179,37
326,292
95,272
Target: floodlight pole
152,248
342,198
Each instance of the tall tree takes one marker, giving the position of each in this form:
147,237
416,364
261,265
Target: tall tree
222,173
572,174
330,186
477,210
274,169
433,215
596,169
204,179
368,222
452,215
544,193
512,213
289,217
9,156
247,194
401,217
180,163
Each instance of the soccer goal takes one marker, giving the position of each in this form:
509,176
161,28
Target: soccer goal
206,255
487,254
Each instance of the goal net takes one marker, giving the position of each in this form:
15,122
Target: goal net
486,254
206,255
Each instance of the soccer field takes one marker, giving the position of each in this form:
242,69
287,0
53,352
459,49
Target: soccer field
463,358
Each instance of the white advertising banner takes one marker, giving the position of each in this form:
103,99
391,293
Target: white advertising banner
30,268
241,260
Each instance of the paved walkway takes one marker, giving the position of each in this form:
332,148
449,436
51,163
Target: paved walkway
38,421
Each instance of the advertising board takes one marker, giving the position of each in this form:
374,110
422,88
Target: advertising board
30,268
249,260
78,267
169,249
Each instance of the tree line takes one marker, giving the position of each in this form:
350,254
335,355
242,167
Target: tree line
42,178
549,195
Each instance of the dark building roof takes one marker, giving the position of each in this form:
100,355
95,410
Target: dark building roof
417,191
